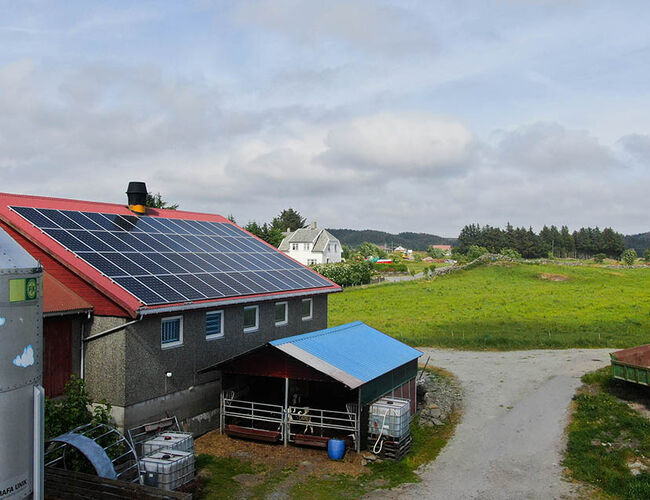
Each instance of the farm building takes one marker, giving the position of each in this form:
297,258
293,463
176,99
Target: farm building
137,300
307,388
312,246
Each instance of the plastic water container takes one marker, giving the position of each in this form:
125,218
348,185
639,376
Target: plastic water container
390,417
336,449
170,440
167,469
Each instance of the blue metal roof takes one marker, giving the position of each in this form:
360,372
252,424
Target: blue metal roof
354,353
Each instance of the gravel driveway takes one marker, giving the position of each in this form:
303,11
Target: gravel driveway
510,441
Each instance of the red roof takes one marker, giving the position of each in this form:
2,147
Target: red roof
59,299
107,297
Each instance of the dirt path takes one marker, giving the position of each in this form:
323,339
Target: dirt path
510,441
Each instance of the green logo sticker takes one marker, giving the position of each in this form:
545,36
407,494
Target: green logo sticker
23,289
30,289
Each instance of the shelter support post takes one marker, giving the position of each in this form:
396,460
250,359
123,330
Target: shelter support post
286,406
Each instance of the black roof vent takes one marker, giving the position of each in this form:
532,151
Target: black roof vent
137,193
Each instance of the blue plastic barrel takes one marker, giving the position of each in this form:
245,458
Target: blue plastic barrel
336,449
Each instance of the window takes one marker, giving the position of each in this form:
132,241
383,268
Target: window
306,246
335,247
306,309
281,313
171,331
214,325
294,246
311,262
251,318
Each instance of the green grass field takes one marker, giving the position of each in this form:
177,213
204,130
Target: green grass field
508,307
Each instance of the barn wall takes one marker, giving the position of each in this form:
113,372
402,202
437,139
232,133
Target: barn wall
388,382
147,363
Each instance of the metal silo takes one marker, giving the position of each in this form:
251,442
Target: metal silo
21,394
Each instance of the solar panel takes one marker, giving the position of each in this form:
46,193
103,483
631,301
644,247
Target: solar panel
164,260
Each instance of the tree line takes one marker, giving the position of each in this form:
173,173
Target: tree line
549,242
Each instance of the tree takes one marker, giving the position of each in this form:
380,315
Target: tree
270,234
155,200
288,220
436,253
646,255
629,256
367,249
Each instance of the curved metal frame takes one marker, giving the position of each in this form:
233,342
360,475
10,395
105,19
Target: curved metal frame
85,439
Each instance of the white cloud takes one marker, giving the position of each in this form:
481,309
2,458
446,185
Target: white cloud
406,144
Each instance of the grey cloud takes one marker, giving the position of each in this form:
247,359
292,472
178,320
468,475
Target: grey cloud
638,146
363,24
549,147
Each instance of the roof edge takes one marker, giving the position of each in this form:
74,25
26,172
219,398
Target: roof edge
151,310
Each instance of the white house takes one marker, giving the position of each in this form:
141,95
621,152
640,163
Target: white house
311,246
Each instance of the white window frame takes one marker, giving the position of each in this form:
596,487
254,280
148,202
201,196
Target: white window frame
311,262
178,342
294,246
216,335
286,314
311,309
257,319
306,247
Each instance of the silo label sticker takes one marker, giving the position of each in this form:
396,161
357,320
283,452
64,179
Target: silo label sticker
16,486
26,358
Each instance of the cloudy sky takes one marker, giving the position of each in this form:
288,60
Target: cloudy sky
399,116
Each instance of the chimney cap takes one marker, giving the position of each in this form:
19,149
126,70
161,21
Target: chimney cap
313,225
136,187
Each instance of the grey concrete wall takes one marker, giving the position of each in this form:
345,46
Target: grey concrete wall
105,361
148,362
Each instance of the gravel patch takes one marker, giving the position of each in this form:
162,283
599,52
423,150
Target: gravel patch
511,438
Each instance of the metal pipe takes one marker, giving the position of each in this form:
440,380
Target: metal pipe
39,442
286,405
111,330
83,351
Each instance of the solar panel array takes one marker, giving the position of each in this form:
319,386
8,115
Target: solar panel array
162,260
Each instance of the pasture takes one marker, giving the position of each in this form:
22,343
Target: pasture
508,306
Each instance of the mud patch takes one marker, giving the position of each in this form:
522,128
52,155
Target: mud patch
553,277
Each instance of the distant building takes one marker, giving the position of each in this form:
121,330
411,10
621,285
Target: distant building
311,246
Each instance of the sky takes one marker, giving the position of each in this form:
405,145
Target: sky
398,116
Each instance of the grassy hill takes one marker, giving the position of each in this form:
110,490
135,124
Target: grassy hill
414,241
513,306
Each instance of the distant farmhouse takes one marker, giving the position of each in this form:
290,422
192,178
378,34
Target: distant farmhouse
138,300
311,246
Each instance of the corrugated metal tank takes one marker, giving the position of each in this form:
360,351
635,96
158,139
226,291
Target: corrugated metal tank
21,342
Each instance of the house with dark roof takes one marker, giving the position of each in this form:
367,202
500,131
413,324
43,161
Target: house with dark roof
311,246
144,298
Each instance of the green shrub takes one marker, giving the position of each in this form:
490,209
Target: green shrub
73,410
629,256
475,251
346,273
599,257
646,255
510,252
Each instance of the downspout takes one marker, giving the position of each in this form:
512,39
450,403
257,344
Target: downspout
112,330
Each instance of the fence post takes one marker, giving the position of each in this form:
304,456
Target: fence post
285,412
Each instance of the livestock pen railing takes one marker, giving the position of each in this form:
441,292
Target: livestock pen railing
258,416
296,424
304,421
